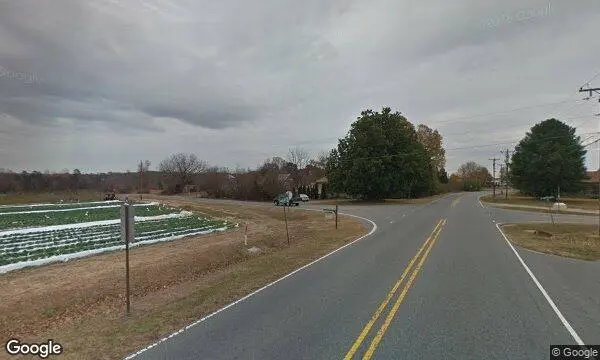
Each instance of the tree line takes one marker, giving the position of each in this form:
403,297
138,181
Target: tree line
383,155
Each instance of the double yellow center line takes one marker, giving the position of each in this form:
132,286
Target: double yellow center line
429,242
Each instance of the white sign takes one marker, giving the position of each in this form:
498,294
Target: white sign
127,222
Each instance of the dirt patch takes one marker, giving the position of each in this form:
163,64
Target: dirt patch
81,303
569,240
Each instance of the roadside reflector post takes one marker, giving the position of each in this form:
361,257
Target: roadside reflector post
246,236
127,236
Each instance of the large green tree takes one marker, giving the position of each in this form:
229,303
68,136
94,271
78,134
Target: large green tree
381,157
550,156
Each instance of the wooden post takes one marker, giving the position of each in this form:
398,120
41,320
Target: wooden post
336,216
127,234
286,225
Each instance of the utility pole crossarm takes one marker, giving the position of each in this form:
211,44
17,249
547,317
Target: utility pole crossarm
590,91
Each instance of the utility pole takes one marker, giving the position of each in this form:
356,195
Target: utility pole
140,178
506,160
591,91
494,176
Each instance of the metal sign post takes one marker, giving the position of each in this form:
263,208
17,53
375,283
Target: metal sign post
329,213
127,236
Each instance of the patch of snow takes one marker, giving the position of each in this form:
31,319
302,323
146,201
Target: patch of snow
57,210
254,250
85,224
186,213
61,204
66,257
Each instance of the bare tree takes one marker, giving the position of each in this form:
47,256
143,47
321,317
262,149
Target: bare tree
299,157
144,166
182,168
321,160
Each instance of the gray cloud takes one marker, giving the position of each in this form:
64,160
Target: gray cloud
235,82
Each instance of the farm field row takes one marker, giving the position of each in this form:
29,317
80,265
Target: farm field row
38,238
17,220
40,207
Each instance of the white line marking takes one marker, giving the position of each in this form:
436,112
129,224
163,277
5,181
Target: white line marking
480,203
543,291
131,356
537,252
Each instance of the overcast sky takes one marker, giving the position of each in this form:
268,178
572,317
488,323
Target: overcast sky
101,84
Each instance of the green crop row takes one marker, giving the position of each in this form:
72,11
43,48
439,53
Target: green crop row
17,221
34,207
40,245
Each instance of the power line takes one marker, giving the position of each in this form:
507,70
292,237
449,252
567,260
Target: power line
445,134
506,111
593,142
590,80
510,142
456,148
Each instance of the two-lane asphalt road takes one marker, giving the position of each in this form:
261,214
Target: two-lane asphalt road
433,281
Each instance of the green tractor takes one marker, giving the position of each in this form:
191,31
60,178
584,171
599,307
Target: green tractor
285,200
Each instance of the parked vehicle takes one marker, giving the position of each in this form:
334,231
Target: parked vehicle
303,197
285,200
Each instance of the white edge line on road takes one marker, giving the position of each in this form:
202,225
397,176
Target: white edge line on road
131,356
543,291
480,203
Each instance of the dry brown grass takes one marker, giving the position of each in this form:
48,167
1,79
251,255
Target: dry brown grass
47,197
423,200
572,203
546,210
81,305
569,240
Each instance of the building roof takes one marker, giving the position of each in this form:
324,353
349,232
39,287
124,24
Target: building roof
322,180
592,176
283,177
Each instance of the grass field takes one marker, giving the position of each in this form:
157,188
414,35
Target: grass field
423,200
80,303
569,240
572,202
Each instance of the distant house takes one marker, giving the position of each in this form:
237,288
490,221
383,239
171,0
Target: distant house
319,184
590,184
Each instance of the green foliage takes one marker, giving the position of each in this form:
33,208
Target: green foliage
443,176
549,156
381,157
314,193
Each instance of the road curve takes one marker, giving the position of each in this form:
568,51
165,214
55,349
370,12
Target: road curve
433,281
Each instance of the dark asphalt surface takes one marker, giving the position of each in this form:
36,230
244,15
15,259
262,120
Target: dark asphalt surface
471,300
